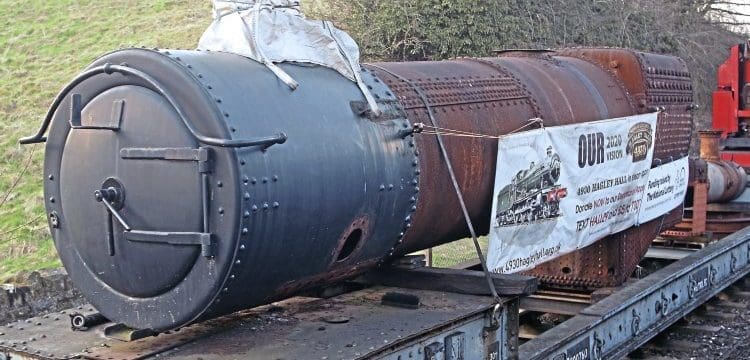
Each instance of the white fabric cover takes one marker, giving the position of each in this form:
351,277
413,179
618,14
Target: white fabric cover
274,31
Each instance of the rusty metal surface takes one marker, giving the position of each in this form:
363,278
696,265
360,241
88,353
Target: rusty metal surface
710,141
606,263
651,82
349,326
491,96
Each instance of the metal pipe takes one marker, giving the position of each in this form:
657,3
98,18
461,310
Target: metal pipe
726,179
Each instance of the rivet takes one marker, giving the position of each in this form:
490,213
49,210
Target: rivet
275,204
231,276
221,210
415,182
415,162
246,214
408,218
401,234
51,177
242,247
416,189
413,199
414,208
390,187
382,187
190,66
200,76
255,207
247,196
209,87
244,231
253,181
265,206
242,162
417,171
219,184
226,114
238,262
411,143
226,290
275,178
178,58
245,179
265,179
52,199
218,100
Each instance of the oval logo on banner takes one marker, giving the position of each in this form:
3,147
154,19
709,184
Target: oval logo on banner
639,141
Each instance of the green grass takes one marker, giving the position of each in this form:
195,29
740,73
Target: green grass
43,44
456,252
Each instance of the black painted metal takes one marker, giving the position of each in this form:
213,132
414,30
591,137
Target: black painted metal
202,236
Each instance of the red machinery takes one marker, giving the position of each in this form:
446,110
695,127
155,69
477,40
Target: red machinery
731,105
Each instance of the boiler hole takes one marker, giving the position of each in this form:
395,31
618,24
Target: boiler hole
566,270
350,244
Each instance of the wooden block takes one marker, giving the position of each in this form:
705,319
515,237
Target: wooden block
453,280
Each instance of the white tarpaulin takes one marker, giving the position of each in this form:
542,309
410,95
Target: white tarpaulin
276,31
562,188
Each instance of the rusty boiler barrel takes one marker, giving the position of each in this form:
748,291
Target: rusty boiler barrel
183,185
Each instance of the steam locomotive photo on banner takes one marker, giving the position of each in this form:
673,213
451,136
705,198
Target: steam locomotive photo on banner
532,194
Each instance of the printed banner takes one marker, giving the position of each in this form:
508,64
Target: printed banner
666,188
562,188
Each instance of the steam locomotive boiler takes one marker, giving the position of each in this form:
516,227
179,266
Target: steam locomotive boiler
183,185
